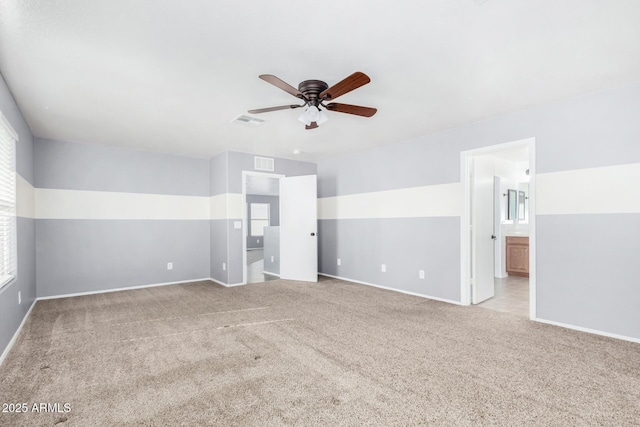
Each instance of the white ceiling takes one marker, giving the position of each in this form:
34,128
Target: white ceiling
170,76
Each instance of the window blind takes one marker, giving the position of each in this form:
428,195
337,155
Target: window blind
8,242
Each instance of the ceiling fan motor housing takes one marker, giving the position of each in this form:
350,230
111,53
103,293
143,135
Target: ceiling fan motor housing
311,89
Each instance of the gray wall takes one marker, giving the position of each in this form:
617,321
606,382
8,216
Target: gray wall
239,162
588,271
76,255
272,249
404,245
595,130
11,312
219,228
254,242
73,166
218,172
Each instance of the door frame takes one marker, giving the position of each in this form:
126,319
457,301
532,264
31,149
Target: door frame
245,223
465,220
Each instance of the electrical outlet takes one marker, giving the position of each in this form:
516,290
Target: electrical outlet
224,266
19,297
257,240
272,258
421,274
383,268
169,266
339,261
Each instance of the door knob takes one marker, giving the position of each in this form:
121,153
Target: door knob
313,234
493,237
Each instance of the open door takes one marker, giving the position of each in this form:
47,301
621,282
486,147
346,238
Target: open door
298,228
482,232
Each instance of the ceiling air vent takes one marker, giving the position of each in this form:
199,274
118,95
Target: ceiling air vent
248,120
263,164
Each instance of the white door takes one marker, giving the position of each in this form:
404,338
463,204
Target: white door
298,228
482,242
497,249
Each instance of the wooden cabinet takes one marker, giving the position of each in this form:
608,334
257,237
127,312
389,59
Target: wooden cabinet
517,256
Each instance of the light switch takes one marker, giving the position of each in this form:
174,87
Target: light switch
237,224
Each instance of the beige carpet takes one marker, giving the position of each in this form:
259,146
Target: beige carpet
287,353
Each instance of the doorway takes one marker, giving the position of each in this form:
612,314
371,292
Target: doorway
261,217
282,245
498,227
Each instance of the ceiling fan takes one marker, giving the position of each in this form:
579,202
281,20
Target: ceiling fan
315,93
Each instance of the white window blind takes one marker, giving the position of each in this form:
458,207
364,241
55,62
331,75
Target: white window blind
8,241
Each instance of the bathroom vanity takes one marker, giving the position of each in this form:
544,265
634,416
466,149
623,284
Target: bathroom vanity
517,250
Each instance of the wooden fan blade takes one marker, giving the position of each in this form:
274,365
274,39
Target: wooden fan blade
313,125
354,81
281,84
352,109
266,110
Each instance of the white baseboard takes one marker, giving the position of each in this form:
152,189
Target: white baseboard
153,285
15,336
218,282
104,291
226,285
231,285
270,273
415,294
587,330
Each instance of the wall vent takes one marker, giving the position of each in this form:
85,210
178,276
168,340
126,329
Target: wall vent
248,121
263,164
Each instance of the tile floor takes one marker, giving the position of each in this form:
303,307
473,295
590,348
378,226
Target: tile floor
511,296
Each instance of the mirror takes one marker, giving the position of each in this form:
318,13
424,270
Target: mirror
512,201
521,205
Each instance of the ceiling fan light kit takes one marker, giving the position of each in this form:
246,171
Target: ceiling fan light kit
314,93
313,114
